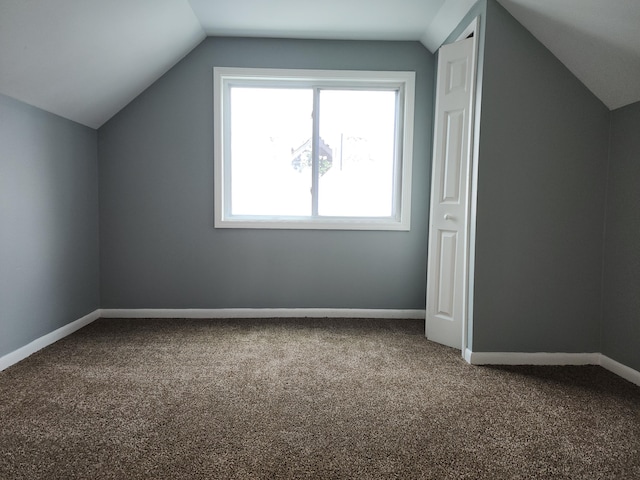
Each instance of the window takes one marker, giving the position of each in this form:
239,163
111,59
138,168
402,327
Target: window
318,149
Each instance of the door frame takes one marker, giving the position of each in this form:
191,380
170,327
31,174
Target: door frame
467,318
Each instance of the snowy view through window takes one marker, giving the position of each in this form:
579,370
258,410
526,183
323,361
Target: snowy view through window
271,152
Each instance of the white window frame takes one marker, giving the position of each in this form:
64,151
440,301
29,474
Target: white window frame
403,82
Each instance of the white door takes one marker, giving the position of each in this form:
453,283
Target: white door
450,184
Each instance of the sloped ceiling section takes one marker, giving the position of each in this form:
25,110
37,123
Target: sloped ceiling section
599,41
86,59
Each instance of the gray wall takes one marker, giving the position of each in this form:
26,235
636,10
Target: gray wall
541,187
48,223
159,247
621,312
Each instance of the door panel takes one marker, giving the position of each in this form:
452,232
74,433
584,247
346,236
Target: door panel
452,156
456,75
448,225
446,277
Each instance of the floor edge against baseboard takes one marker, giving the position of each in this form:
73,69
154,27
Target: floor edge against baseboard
620,369
553,358
39,343
533,358
204,313
474,358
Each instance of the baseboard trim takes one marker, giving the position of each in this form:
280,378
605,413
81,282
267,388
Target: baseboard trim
621,370
545,358
263,313
39,343
468,356
534,358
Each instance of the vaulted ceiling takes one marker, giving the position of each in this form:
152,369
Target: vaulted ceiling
86,59
598,40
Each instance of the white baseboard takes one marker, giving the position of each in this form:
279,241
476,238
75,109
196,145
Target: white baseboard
621,370
263,313
467,354
543,358
39,343
526,358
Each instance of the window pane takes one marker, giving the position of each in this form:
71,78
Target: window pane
357,150
271,151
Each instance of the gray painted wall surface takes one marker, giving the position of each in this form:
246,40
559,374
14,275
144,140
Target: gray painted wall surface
158,245
621,317
542,170
48,223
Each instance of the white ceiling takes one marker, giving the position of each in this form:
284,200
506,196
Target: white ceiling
343,19
598,40
86,59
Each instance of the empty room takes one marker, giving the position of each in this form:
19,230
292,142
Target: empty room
344,239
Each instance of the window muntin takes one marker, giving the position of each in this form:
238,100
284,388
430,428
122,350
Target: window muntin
313,149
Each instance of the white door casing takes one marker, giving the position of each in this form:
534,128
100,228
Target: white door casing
448,258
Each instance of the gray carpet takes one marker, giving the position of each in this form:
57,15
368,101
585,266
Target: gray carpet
302,398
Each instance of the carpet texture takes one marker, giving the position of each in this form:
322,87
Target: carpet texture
303,398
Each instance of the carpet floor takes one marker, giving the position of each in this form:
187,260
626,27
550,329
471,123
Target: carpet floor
303,398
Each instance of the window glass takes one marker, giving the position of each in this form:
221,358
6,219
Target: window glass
270,150
357,152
